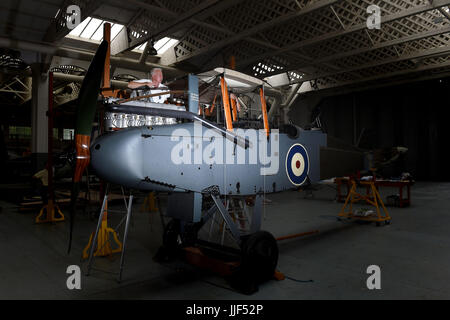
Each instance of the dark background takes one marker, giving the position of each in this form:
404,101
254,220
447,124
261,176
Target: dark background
415,115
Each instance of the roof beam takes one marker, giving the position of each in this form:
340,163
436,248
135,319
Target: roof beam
175,26
368,85
53,50
331,35
203,11
169,14
382,45
14,28
416,55
256,41
386,75
176,22
30,15
258,28
337,17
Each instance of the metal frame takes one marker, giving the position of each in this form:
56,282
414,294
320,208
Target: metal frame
17,87
93,247
324,41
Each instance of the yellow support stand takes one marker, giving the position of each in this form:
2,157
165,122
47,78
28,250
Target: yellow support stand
372,198
50,209
103,239
149,203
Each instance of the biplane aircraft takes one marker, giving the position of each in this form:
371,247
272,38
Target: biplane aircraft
219,149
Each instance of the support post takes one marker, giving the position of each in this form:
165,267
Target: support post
100,218
234,107
230,223
39,128
50,208
257,213
99,244
193,93
107,67
127,225
264,111
226,103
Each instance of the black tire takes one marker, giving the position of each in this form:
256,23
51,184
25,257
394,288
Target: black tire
190,234
259,256
168,250
171,233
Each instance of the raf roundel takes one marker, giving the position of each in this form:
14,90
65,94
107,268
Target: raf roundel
297,164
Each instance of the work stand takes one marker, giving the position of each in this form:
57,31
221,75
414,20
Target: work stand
50,213
99,243
371,197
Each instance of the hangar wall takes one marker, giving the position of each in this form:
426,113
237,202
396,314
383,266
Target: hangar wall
414,115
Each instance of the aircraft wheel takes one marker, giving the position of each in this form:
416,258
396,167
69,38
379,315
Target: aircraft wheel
170,242
190,234
259,260
171,233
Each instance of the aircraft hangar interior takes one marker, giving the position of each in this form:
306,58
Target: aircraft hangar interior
224,150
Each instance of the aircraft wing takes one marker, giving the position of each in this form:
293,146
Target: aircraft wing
180,115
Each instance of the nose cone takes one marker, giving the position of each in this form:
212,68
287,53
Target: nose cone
118,158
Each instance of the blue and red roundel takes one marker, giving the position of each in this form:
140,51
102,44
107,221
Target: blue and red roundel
297,164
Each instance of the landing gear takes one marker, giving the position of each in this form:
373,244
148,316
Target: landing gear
258,261
171,233
175,236
252,258
170,242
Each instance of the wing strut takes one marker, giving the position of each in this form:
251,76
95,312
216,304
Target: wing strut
226,103
264,111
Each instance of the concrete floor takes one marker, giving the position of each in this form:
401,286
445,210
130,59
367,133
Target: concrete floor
413,253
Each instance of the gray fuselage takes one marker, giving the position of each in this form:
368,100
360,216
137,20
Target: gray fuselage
184,157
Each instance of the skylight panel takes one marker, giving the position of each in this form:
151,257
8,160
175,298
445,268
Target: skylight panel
161,45
98,34
115,29
91,28
161,42
79,28
165,45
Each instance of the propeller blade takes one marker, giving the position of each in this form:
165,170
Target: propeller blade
85,113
